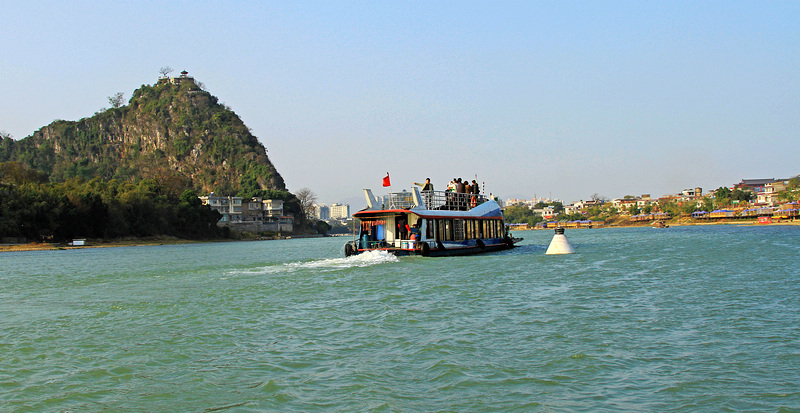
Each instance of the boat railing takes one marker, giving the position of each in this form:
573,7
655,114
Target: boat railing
400,200
451,201
436,200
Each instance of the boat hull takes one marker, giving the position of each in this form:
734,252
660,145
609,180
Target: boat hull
441,250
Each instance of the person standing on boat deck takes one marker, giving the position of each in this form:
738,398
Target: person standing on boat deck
402,226
469,198
473,191
451,188
460,189
459,186
427,190
427,186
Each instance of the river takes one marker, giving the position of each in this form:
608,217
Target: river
703,318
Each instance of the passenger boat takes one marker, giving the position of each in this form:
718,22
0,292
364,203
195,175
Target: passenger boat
429,223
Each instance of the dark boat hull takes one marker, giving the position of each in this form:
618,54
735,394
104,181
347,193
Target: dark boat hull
449,250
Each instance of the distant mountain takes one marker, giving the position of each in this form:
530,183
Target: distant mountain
173,131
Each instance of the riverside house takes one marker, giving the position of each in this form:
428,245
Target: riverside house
253,215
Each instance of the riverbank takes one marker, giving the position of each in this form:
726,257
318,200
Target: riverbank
683,221
41,246
679,222
133,242
45,246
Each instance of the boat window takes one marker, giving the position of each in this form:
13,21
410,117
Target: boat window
429,228
444,227
448,224
470,229
458,229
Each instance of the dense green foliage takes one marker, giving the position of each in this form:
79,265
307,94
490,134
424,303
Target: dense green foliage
174,132
792,192
725,197
520,214
75,208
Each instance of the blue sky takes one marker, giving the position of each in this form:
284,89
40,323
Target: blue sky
562,99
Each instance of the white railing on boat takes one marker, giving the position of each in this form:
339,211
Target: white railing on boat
435,200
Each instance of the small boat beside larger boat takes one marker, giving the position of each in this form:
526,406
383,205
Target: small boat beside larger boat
429,223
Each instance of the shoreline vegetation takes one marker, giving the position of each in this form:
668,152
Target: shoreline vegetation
152,241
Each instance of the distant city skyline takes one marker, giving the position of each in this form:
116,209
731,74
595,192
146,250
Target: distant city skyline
557,99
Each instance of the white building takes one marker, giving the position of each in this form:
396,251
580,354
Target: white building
230,207
332,212
340,211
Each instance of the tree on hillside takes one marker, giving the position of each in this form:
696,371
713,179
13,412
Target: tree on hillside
16,173
722,197
669,206
792,192
708,204
164,71
690,207
575,216
741,195
116,100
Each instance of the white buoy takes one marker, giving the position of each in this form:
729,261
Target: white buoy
559,244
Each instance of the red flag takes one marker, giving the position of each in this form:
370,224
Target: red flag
386,180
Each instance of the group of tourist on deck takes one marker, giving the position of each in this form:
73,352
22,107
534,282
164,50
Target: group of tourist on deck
457,185
460,186
460,194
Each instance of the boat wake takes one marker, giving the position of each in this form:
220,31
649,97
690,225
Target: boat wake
366,259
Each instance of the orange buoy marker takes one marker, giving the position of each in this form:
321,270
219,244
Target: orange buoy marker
559,244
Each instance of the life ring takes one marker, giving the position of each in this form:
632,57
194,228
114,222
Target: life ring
480,244
474,202
348,250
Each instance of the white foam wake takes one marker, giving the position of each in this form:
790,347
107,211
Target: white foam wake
366,259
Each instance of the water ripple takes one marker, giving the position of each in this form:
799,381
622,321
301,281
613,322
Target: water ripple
638,320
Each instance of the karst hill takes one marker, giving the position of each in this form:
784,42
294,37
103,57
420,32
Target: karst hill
173,131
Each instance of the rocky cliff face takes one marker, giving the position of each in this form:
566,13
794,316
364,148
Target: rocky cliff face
172,130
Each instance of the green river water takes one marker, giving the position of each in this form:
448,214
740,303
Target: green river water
678,319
